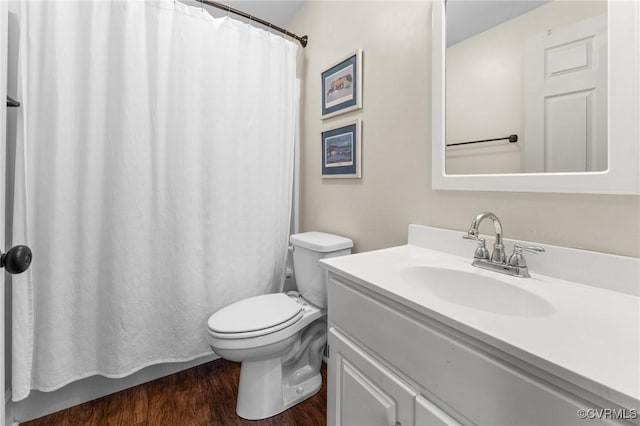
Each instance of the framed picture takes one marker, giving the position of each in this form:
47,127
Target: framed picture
342,151
342,85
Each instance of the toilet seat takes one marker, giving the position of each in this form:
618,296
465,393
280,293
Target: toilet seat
255,316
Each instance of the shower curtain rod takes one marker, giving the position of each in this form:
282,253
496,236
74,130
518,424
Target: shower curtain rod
303,40
510,138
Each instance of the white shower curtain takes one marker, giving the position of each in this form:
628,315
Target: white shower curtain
153,182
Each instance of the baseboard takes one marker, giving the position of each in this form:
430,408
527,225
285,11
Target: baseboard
40,404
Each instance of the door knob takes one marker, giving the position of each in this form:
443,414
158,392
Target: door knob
16,260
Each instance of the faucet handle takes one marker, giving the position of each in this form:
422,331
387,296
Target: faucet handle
517,247
481,251
517,258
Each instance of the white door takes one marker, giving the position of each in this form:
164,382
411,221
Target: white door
566,99
363,392
4,37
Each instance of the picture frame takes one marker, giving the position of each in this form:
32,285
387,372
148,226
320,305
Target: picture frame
342,150
342,85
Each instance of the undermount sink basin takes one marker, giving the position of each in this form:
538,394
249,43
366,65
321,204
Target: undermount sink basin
477,291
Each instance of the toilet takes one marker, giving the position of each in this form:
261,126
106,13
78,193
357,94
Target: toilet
279,338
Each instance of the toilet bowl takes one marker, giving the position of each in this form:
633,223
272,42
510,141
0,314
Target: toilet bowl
279,338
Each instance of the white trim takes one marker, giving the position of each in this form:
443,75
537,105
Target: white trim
4,52
623,175
9,418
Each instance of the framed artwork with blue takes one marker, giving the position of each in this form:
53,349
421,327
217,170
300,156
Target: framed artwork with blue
342,150
342,85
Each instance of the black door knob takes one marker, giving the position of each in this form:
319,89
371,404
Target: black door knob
16,260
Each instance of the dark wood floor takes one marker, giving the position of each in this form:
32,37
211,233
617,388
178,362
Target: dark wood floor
203,395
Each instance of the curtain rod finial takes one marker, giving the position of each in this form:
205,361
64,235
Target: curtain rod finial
304,40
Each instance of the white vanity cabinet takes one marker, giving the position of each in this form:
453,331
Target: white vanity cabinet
364,392
390,364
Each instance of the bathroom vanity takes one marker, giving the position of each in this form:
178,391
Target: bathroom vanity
419,336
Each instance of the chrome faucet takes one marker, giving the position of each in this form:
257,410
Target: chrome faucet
472,234
497,261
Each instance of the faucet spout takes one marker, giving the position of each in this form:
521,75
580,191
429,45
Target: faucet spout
498,254
497,226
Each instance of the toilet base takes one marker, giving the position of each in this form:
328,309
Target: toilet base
263,394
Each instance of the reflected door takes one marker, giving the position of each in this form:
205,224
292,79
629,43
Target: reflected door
566,99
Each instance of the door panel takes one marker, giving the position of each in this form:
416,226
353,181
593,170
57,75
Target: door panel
362,391
566,99
368,404
567,118
429,414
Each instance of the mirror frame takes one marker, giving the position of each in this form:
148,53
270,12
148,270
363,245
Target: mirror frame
623,174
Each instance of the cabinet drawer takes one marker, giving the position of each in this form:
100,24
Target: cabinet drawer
482,388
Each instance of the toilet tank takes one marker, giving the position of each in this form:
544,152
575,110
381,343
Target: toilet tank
308,249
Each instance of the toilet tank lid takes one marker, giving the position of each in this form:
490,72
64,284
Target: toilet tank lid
320,241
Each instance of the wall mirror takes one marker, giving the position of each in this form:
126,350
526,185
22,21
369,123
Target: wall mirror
536,95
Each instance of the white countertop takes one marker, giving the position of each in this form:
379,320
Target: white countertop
590,338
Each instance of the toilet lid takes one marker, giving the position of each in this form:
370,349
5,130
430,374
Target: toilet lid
256,313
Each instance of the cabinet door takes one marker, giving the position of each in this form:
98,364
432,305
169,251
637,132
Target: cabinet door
362,391
427,414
